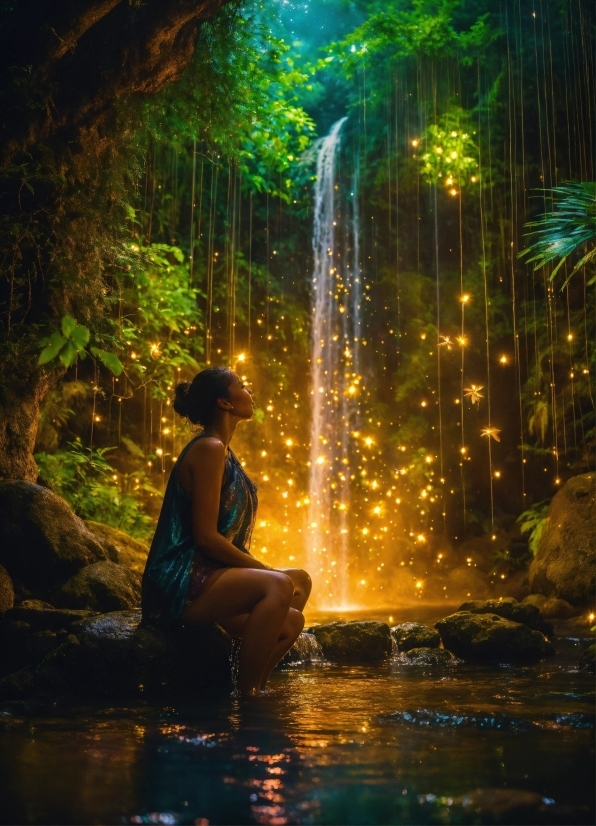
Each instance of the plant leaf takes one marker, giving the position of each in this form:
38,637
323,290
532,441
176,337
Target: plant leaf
80,335
68,325
68,354
109,360
56,343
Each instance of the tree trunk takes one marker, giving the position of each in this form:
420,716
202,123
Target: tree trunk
65,70
21,394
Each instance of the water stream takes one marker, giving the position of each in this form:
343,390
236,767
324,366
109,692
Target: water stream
335,366
384,744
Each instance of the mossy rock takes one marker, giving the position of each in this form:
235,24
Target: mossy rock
492,638
132,553
42,542
511,609
408,635
364,642
430,656
102,587
565,564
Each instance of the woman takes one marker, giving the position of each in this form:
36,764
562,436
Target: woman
199,567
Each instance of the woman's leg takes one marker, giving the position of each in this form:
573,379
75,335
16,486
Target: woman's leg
265,596
302,586
289,634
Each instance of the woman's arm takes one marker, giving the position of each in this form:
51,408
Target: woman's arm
206,463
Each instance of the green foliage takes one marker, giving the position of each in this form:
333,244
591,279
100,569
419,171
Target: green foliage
71,344
400,33
93,489
451,156
161,325
565,231
533,522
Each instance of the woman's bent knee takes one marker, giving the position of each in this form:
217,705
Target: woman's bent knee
281,586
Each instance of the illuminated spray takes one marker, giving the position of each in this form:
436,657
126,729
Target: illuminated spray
335,359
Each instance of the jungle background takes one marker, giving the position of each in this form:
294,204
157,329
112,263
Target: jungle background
189,243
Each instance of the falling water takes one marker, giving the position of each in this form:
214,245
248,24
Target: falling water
335,360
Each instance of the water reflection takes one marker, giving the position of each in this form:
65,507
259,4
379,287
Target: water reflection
354,744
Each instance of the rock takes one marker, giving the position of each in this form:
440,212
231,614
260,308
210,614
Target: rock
534,599
43,617
6,591
103,587
430,656
354,641
113,657
565,564
42,542
410,635
491,638
554,608
510,609
587,661
130,552
22,645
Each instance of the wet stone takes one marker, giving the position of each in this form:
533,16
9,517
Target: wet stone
492,638
368,641
409,635
511,609
102,587
113,656
429,656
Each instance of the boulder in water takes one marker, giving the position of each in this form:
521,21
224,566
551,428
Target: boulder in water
101,587
510,609
368,641
112,656
409,635
6,591
42,542
130,552
430,656
565,564
30,631
491,638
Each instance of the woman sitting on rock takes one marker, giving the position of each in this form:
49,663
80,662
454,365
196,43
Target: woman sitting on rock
199,567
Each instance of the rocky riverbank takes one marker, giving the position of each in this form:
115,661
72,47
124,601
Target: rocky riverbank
70,622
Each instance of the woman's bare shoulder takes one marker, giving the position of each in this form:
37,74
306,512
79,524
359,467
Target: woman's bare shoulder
207,449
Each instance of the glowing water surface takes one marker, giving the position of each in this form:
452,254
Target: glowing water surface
332,744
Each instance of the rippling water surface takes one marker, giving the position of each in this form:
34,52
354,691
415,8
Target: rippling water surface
332,744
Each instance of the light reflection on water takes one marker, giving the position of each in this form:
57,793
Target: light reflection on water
323,748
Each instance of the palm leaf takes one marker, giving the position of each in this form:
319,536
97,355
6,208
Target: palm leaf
569,228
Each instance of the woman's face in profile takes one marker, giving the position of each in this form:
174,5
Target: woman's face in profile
240,397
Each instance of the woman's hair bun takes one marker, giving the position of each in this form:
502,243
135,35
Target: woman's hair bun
181,401
197,400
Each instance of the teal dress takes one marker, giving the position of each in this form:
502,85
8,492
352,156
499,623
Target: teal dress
173,553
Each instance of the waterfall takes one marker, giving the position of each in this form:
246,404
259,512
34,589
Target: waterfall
335,366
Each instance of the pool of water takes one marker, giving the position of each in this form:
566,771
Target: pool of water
385,744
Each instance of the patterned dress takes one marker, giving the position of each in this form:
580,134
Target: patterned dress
176,569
